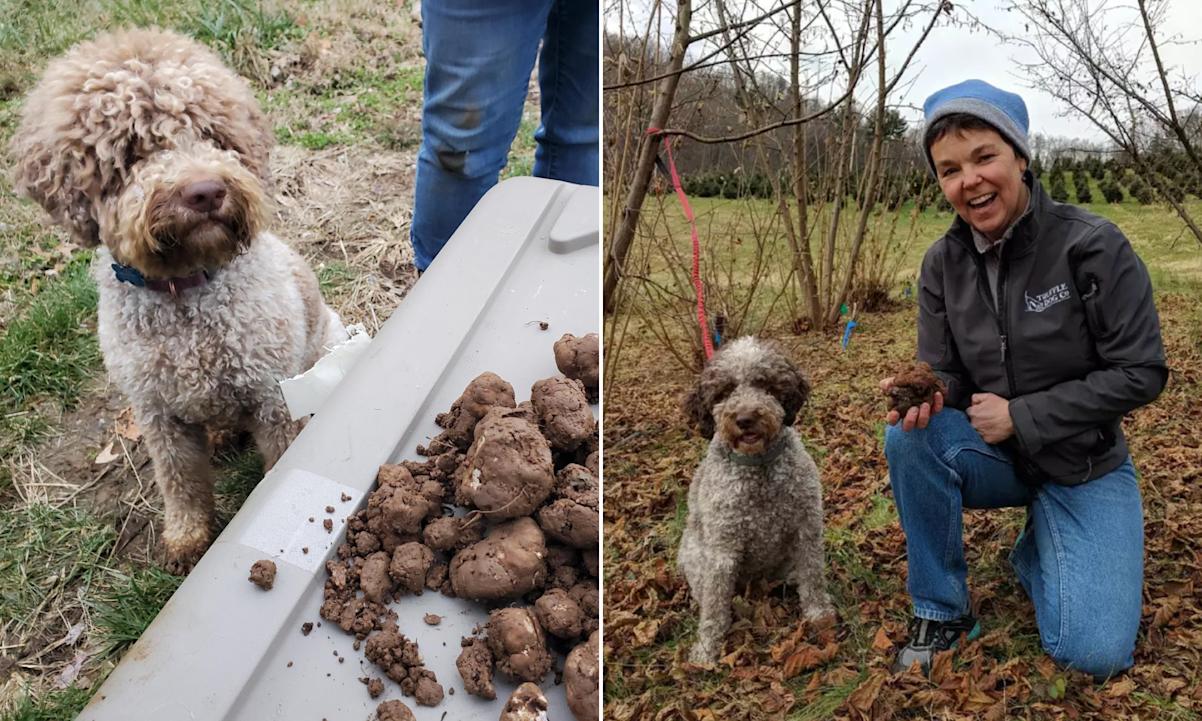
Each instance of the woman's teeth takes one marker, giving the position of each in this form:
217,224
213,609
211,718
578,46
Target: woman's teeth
982,202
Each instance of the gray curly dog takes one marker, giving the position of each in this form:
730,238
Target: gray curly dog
144,143
755,504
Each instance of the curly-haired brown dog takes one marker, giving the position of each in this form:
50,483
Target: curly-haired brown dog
143,142
755,503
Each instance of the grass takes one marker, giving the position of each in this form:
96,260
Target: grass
238,472
42,550
130,604
829,699
729,230
51,350
52,706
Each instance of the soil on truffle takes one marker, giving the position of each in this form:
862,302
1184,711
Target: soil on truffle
475,664
527,703
394,711
913,386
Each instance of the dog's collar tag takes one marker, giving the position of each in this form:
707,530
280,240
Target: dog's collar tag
769,455
127,274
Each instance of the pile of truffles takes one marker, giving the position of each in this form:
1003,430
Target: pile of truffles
525,543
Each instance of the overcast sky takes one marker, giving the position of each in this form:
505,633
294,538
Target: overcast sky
952,54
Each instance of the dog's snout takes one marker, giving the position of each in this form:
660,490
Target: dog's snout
204,196
745,421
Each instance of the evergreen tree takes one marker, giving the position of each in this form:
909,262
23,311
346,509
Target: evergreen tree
1081,181
1058,191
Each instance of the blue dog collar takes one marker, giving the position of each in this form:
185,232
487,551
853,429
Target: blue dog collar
134,277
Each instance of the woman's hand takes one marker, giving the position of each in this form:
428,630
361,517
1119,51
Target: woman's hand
917,416
990,416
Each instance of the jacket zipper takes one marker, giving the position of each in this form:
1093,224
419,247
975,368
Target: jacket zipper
998,306
1000,315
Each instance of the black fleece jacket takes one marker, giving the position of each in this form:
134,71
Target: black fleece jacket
1073,341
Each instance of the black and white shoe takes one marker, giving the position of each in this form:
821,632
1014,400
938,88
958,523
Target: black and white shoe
928,638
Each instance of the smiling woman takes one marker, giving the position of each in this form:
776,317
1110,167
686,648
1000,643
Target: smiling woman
979,173
1034,398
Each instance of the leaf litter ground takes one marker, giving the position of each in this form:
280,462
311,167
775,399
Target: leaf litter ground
774,667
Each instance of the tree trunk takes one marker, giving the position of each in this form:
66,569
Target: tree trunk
623,233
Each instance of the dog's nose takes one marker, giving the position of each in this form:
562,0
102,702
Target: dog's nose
745,421
204,196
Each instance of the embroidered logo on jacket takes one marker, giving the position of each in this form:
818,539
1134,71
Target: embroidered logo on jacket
1050,297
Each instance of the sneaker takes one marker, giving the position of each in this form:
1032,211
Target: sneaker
928,638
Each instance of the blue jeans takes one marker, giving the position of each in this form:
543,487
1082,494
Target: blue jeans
1079,558
478,61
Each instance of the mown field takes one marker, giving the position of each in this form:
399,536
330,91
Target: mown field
773,667
80,571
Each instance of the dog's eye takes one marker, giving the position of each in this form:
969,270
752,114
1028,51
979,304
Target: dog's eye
131,157
722,392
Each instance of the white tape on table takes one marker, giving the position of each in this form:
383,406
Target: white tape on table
290,519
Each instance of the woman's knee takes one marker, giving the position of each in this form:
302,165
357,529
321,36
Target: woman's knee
1093,643
1098,656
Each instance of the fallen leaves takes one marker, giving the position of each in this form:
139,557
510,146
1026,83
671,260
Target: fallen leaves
775,666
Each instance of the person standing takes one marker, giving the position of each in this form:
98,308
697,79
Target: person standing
479,57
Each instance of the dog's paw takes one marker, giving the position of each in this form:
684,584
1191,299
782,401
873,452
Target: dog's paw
180,554
821,616
703,654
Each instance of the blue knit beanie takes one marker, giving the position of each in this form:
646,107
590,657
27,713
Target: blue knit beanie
1006,112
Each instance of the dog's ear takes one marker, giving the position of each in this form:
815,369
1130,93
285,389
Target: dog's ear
698,408
790,386
54,173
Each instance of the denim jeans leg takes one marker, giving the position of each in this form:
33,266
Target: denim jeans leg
478,62
568,137
936,473
1080,560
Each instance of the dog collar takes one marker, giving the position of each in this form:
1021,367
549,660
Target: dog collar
768,455
128,274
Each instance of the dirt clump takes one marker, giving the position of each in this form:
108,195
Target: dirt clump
483,393
375,686
451,533
913,386
517,643
508,470
410,564
399,506
262,574
374,579
475,664
398,657
579,359
394,711
563,412
523,478
572,516
527,703
506,564
580,678
559,614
